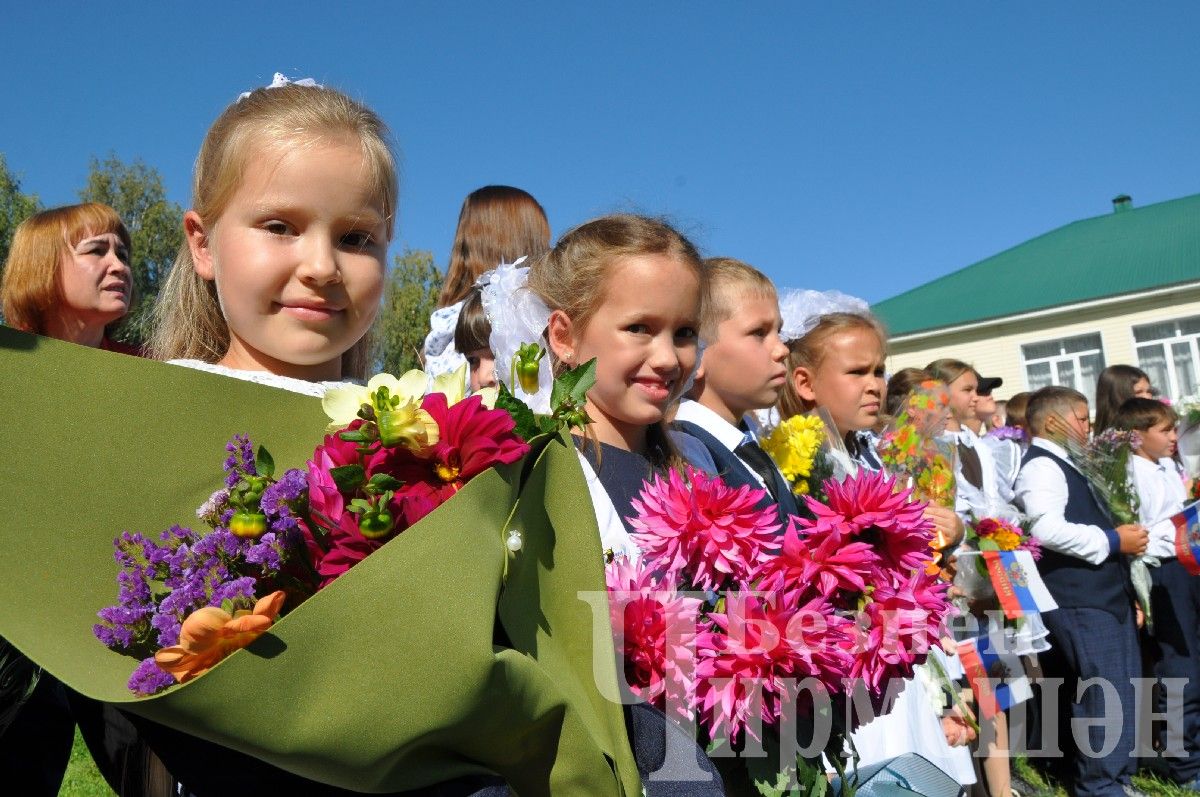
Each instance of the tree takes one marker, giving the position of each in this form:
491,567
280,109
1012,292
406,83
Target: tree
410,296
15,207
155,226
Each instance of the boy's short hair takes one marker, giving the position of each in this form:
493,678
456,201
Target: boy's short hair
473,330
1052,400
725,275
1142,414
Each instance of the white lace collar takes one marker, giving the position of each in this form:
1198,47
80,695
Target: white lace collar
306,388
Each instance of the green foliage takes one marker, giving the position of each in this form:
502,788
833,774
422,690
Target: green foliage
155,225
15,207
409,298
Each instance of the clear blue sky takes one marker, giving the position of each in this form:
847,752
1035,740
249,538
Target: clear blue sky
868,147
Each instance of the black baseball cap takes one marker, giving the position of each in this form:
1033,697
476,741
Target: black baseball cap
987,384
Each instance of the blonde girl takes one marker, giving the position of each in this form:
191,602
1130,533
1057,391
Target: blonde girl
282,269
836,363
626,290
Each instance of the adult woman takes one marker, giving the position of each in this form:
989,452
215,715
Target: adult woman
67,275
497,224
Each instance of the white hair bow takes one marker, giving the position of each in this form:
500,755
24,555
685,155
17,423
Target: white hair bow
802,310
282,80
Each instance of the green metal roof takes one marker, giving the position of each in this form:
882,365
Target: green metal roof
1127,251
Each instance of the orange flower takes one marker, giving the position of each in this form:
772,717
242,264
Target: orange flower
210,634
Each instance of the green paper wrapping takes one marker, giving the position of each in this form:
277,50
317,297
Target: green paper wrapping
386,680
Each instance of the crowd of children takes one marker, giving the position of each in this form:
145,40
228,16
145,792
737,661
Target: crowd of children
294,204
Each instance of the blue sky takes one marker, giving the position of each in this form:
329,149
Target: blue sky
868,147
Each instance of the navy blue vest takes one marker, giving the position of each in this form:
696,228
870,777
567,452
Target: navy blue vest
1073,582
737,473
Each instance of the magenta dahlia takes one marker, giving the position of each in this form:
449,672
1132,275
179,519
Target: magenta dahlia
656,630
763,644
897,627
825,556
879,514
701,531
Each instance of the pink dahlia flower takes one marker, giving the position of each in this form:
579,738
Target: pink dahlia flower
826,557
656,630
897,627
701,531
879,514
763,645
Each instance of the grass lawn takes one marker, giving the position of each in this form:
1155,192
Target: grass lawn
1144,780
82,778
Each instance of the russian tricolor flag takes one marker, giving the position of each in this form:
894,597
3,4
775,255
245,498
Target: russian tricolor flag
1017,582
998,679
1187,538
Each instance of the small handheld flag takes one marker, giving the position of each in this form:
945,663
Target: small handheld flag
1187,538
997,679
1018,585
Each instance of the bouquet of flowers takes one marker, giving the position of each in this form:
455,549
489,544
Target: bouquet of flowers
721,618
1105,463
797,445
910,446
380,669
1188,408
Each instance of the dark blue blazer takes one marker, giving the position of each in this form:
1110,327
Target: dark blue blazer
737,473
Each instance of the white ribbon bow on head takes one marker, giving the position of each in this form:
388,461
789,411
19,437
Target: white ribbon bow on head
282,80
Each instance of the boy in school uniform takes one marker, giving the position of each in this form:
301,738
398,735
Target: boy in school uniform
743,369
1093,633
1174,593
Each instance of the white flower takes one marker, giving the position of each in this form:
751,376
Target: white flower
341,404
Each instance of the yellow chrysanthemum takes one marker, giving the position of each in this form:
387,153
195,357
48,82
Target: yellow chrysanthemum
794,444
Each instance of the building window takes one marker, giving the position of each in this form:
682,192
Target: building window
1167,352
1069,362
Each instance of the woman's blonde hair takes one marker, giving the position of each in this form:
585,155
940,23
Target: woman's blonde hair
188,323
573,277
32,283
809,350
497,224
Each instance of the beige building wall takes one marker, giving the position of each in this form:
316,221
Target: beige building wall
994,349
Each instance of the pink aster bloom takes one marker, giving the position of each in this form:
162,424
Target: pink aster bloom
825,556
879,514
763,645
702,531
897,627
656,631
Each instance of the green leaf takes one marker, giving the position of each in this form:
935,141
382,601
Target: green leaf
574,384
354,437
348,478
528,426
382,482
986,544
359,505
264,463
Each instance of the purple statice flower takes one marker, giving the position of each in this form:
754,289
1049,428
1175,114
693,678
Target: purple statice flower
123,627
240,461
149,679
239,592
1008,433
282,502
267,553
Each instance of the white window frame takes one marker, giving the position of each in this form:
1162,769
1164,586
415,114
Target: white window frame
1173,389
1063,357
